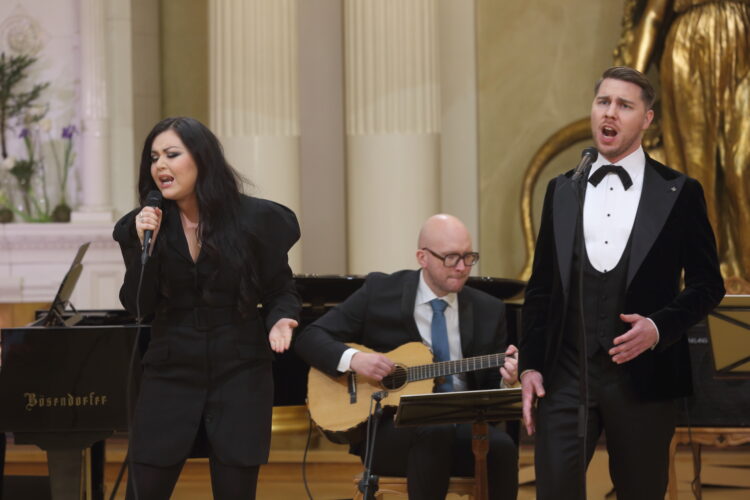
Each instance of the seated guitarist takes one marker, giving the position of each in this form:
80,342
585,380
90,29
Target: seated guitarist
432,306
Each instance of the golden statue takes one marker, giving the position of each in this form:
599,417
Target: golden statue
704,72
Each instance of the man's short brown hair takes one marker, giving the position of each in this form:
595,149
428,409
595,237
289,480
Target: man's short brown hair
648,94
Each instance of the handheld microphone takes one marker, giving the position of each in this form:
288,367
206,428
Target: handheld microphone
588,156
153,199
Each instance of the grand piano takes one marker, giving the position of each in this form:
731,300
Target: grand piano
63,380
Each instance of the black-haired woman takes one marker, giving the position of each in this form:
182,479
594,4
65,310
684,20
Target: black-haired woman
216,255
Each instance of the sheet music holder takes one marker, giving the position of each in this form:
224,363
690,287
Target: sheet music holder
729,334
491,405
477,407
55,315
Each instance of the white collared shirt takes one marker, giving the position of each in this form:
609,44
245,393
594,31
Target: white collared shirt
609,211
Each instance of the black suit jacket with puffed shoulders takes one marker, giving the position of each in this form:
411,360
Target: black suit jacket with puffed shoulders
671,235
208,361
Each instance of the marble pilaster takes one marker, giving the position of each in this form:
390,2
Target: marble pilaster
393,129
253,97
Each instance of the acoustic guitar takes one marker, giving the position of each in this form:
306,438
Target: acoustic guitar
341,405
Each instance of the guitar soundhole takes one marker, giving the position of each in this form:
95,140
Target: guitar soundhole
396,379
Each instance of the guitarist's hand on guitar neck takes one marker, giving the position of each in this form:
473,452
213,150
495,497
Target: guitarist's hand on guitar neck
509,370
371,364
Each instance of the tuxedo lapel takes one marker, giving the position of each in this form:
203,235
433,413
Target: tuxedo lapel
565,214
408,298
466,324
658,196
175,235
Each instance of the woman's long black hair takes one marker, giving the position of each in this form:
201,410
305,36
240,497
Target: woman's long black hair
218,189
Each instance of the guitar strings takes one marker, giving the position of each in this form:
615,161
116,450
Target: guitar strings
401,376
442,368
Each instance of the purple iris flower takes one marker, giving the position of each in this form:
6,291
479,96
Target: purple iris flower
24,133
69,131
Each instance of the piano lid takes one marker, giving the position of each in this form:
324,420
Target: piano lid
333,289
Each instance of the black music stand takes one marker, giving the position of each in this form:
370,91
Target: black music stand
56,313
477,407
728,333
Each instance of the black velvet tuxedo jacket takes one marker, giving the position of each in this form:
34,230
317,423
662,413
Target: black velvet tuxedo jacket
380,315
206,361
671,235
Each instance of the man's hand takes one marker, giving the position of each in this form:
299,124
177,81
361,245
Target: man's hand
509,370
371,364
641,336
280,335
531,389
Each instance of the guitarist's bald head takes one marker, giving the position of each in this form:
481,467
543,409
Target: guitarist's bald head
443,245
441,229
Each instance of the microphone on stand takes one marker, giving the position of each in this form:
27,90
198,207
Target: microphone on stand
588,156
153,199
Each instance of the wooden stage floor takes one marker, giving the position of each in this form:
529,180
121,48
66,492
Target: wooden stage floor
330,472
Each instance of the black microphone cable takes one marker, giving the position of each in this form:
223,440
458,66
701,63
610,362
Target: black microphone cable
129,393
304,456
153,199
583,364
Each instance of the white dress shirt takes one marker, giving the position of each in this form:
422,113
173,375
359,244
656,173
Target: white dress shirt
609,211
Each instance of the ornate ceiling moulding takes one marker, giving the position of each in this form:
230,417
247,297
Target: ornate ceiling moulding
21,34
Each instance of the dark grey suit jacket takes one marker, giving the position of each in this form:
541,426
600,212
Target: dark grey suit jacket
380,315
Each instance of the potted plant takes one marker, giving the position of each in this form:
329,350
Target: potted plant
61,212
15,102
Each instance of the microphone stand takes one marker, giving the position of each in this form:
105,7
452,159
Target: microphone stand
579,186
368,485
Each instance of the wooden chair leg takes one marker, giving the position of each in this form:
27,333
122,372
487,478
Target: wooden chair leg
672,490
697,487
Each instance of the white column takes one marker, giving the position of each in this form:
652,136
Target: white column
253,95
96,202
459,147
393,125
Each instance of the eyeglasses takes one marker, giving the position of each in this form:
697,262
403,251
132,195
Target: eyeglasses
451,260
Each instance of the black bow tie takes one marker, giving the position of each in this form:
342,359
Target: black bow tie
597,176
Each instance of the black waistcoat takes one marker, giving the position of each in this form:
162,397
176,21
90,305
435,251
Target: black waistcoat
603,301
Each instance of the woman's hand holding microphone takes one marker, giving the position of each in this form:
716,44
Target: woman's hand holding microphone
148,219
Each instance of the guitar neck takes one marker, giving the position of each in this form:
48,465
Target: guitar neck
444,368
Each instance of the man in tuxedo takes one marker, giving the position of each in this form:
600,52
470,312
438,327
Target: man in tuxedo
644,225
432,306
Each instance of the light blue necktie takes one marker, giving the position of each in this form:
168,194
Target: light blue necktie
439,331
